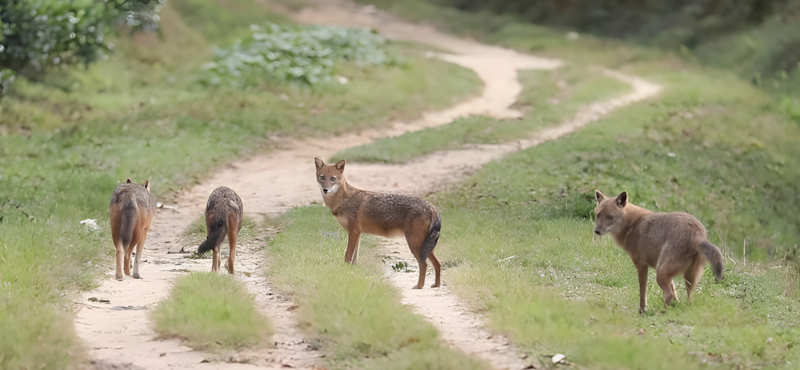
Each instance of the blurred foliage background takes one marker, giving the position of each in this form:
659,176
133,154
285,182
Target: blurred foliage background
758,39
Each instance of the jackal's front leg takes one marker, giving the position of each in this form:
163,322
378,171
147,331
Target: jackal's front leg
642,270
351,256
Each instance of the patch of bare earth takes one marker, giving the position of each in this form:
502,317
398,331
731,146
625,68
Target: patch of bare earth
119,334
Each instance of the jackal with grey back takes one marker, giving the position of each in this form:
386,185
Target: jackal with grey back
224,213
131,211
388,215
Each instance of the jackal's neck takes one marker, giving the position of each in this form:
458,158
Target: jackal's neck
633,214
336,200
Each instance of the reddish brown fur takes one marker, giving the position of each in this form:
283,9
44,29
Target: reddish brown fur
224,213
131,210
672,243
388,215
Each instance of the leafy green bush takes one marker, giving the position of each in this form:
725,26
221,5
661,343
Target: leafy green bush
290,53
40,34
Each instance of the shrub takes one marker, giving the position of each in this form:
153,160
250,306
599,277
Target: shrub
290,53
40,34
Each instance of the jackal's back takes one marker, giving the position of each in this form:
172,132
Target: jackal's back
133,195
676,233
222,201
395,210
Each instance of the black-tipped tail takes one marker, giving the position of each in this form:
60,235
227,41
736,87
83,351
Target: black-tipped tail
127,224
714,257
432,239
215,236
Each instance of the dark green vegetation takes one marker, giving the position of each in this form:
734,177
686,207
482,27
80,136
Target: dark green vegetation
68,138
42,35
294,53
763,53
354,311
710,144
211,310
549,96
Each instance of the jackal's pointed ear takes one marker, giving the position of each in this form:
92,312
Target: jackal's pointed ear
129,181
340,166
599,196
319,163
147,185
622,199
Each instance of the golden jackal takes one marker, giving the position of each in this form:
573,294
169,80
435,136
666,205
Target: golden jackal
388,215
673,243
131,210
223,217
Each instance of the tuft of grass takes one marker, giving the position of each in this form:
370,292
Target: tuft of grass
211,310
547,96
354,311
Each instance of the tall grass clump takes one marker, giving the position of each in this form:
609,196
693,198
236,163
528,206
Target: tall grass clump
209,309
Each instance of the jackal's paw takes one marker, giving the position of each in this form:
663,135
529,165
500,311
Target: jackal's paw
136,276
417,287
435,285
642,310
119,278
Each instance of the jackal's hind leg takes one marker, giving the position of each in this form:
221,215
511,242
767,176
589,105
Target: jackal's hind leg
232,234
668,287
128,251
693,275
139,250
437,268
120,259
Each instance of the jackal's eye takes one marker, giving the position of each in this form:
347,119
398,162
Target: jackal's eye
333,178
322,178
609,217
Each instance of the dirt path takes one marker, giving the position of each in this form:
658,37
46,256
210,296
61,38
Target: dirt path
118,334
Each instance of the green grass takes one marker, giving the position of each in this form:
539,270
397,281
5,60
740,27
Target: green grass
211,310
710,144
353,310
66,141
724,172
43,261
547,104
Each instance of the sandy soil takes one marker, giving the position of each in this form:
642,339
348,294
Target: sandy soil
118,334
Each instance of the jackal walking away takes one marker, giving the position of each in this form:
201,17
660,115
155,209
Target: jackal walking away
224,212
131,210
388,215
673,243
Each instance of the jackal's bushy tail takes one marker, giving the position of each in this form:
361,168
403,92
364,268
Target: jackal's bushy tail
215,236
714,257
127,224
432,239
